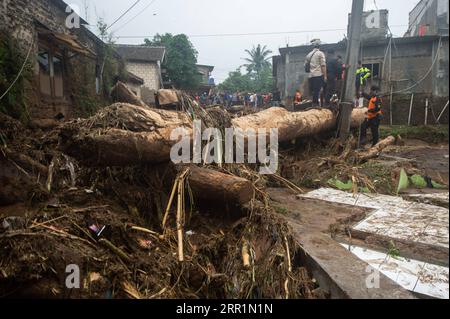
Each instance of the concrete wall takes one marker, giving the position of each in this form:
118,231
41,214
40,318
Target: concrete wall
291,74
431,14
147,71
441,67
411,61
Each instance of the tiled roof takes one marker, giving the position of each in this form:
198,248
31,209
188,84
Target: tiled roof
140,53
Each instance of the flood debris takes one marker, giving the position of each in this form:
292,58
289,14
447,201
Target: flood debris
102,194
140,230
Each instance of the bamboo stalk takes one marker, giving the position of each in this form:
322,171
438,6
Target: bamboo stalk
245,255
144,230
288,254
115,249
47,222
169,204
179,225
289,184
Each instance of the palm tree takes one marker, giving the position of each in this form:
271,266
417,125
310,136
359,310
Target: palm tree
259,59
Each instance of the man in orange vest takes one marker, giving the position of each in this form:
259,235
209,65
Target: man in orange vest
374,116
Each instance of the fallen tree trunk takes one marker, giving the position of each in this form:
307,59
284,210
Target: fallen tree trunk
18,179
375,151
292,125
121,93
215,187
124,134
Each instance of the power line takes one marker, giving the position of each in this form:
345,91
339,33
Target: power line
140,12
242,34
236,34
123,14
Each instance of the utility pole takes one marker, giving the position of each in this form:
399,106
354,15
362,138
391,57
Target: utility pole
353,52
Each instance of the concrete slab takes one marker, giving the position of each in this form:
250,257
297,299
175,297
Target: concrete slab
438,198
342,273
414,275
395,217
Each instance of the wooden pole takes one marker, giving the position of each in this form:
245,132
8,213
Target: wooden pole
442,113
353,50
391,121
426,112
410,109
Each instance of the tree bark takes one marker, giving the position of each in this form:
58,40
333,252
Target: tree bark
215,187
375,151
292,125
124,134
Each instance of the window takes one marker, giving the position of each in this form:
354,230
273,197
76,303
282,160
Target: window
58,77
51,75
44,72
375,69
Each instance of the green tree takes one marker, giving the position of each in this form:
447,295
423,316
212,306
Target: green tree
259,58
265,82
237,81
259,77
11,60
181,60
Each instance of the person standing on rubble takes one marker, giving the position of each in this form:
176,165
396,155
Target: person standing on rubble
333,71
340,76
316,66
374,116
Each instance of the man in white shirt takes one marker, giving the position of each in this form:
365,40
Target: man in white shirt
318,71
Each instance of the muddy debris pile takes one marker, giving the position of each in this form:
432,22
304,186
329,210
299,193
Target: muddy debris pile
141,230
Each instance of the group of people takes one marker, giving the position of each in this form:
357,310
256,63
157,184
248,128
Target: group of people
326,74
231,99
326,78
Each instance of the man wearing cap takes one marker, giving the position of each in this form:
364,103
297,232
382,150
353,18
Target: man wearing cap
317,71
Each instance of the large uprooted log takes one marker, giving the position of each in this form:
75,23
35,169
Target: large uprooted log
293,125
212,186
124,134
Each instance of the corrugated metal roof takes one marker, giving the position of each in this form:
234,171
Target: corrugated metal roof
140,53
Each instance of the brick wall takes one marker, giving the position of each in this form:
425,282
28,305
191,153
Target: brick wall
147,71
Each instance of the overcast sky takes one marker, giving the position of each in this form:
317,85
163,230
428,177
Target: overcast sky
200,18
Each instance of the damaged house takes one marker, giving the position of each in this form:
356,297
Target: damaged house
72,68
143,64
207,82
400,66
